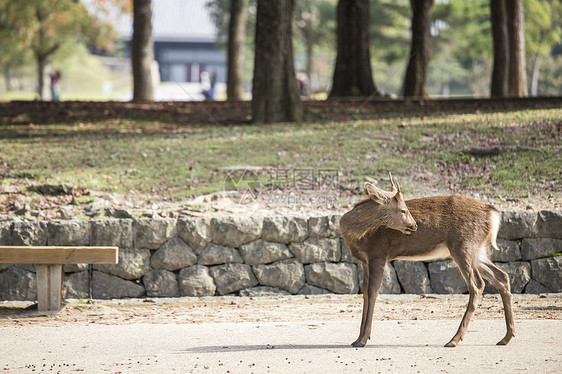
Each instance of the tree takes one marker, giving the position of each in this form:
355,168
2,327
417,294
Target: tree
415,79
43,26
316,23
461,48
517,76
220,13
13,56
353,76
499,84
236,40
306,21
274,93
142,51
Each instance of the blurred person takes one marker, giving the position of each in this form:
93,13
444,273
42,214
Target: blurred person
206,87
55,85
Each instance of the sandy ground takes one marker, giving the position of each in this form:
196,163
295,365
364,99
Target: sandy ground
291,334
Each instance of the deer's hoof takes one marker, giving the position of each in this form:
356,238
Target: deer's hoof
451,344
357,344
505,340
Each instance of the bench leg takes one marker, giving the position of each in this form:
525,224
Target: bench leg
49,287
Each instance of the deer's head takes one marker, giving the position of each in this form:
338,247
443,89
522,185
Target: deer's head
394,213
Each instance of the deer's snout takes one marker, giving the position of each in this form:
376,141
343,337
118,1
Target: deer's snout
412,228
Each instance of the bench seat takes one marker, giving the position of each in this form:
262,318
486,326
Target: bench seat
49,262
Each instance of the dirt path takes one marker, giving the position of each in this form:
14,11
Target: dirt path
276,309
287,335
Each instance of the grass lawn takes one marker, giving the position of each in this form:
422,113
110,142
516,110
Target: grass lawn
178,153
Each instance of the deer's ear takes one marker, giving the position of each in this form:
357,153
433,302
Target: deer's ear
376,194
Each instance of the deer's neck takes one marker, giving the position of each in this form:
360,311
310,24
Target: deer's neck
366,217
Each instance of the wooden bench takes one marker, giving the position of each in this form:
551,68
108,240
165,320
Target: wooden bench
49,262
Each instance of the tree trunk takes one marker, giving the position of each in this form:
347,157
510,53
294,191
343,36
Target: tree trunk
142,51
500,71
275,96
309,54
42,52
517,86
535,76
42,90
353,76
8,78
414,81
236,40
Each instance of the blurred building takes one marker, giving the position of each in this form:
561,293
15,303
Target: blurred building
184,40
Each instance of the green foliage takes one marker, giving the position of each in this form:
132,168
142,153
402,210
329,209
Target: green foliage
550,79
390,29
43,27
543,26
463,26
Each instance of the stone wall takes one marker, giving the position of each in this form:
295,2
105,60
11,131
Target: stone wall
262,256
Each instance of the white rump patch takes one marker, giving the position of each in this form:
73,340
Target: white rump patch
490,241
494,228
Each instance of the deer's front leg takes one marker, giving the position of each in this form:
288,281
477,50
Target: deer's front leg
372,281
365,267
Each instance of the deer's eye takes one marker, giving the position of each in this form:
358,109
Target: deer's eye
403,211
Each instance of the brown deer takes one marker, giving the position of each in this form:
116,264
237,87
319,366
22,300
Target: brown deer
384,227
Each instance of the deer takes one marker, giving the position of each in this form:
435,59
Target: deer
383,227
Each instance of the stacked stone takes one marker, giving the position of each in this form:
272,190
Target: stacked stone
251,256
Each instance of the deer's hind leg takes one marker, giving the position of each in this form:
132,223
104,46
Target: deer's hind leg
475,285
500,281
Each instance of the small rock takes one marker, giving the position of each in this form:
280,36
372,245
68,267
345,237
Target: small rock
173,255
161,283
51,189
29,233
317,250
231,278
287,275
339,278
68,233
77,285
548,271
235,231
446,278
284,229
195,231
17,284
508,251
217,254
112,232
133,264
105,286
66,212
262,252
534,287
261,291
413,277
532,248
152,233
196,281
312,290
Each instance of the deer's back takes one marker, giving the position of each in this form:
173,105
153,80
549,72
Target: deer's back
443,222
